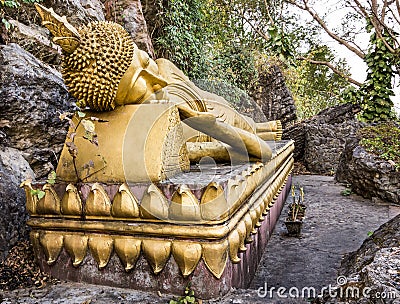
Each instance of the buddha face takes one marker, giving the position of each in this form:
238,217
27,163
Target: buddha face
140,81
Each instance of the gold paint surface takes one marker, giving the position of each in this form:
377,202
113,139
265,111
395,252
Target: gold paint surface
184,205
154,204
125,204
50,203
64,33
128,251
187,255
123,154
157,253
213,204
234,244
31,200
76,246
101,247
126,239
98,202
217,231
71,203
215,256
52,244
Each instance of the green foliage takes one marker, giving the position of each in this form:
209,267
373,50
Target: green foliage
383,140
51,178
11,4
186,299
224,41
374,95
316,87
182,36
39,193
346,192
235,65
280,44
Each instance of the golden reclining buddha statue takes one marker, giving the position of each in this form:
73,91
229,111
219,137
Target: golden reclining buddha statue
142,104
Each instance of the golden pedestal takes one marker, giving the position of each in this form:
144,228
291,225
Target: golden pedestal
209,230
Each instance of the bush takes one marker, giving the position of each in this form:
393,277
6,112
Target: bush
383,140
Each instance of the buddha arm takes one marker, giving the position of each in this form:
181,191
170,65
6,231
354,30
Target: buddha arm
239,139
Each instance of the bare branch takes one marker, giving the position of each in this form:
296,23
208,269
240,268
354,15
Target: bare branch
258,31
396,18
398,6
268,14
383,11
318,19
333,68
362,9
377,22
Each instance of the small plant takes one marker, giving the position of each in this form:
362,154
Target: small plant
51,179
346,192
89,135
296,213
188,297
297,207
38,193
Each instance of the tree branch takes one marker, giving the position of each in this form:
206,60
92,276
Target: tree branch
362,9
268,14
398,6
379,26
333,68
318,19
258,31
396,18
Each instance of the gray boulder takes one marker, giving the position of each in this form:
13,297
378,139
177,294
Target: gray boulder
374,267
31,97
369,175
129,14
36,40
78,12
320,140
13,170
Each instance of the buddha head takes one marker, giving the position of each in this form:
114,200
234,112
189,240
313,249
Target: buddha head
102,66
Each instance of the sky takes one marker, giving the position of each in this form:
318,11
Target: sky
357,66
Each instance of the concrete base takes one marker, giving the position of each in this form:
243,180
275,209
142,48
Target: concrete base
170,280
206,228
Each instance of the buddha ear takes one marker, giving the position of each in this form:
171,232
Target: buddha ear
144,58
65,34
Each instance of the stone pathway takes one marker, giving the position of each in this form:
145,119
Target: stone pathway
334,225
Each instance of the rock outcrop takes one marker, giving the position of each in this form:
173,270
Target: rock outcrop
375,265
78,12
13,169
129,14
36,40
368,174
31,97
274,97
28,32
320,140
